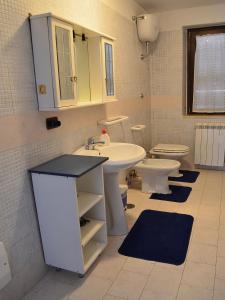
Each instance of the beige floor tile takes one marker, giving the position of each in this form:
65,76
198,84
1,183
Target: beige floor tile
110,297
219,290
220,285
218,295
220,268
207,222
114,242
187,292
128,285
49,289
222,232
221,248
164,279
199,275
222,218
202,253
205,236
150,295
138,265
93,288
108,266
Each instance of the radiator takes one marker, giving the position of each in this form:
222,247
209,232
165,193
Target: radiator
210,144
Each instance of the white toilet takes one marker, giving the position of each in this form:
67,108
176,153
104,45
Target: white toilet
154,173
170,151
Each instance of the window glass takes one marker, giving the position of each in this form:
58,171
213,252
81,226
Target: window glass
109,69
63,49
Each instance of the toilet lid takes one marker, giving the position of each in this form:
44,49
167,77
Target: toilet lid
171,148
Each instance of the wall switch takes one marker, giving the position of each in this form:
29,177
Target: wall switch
52,123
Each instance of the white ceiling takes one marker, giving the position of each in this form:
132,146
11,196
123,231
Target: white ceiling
162,5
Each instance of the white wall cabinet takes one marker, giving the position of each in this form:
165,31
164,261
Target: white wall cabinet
74,66
61,201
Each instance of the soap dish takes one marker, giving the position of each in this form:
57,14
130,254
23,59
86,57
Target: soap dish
138,127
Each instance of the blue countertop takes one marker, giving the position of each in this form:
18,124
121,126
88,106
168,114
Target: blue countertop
69,165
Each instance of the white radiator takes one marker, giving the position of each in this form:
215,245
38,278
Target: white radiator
210,144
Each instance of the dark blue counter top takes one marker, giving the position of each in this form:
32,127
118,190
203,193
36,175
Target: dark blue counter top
69,165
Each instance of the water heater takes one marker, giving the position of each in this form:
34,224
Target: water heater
147,27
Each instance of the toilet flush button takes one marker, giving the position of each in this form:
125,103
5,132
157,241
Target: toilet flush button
5,273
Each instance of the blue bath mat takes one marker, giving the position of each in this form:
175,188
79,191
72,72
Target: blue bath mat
159,236
188,176
179,194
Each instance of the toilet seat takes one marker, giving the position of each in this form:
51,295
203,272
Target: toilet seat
159,164
171,148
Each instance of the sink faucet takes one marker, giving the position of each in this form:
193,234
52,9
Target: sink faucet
91,143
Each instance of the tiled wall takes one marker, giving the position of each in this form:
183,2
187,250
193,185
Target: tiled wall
169,124
24,140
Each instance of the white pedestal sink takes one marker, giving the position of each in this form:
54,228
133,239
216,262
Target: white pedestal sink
121,156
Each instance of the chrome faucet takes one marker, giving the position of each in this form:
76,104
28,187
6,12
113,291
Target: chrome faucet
91,143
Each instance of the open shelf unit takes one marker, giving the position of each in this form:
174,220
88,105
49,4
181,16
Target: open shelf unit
61,201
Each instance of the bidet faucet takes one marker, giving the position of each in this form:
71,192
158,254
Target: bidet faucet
91,143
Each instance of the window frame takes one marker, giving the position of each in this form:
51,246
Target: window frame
190,61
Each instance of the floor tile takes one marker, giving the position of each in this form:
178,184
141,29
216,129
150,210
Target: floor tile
128,285
199,275
205,236
110,297
220,268
50,290
164,279
93,288
202,253
221,248
219,290
138,265
112,263
150,295
187,292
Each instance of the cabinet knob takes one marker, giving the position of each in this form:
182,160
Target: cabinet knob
73,78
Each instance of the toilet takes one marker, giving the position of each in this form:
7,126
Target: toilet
171,152
155,172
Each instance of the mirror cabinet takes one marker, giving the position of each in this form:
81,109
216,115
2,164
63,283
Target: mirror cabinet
74,66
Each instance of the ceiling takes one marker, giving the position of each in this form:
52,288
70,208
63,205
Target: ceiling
162,5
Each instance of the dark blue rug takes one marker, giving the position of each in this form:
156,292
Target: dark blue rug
188,176
159,236
179,194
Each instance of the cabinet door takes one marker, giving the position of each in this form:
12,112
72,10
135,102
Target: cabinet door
108,69
63,62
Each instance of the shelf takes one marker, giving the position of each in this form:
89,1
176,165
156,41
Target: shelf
89,230
86,201
91,252
112,120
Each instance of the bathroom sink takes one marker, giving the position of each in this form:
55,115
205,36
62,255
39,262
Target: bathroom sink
121,155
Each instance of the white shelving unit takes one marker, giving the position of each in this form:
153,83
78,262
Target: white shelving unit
61,201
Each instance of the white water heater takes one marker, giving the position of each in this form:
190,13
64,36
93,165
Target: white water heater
147,27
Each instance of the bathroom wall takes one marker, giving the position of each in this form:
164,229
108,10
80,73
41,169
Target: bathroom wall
25,142
168,122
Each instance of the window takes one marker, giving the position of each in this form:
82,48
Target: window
206,70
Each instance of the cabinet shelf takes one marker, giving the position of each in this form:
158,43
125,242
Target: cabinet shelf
91,251
86,201
89,230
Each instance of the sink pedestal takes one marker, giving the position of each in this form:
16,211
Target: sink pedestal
116,221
